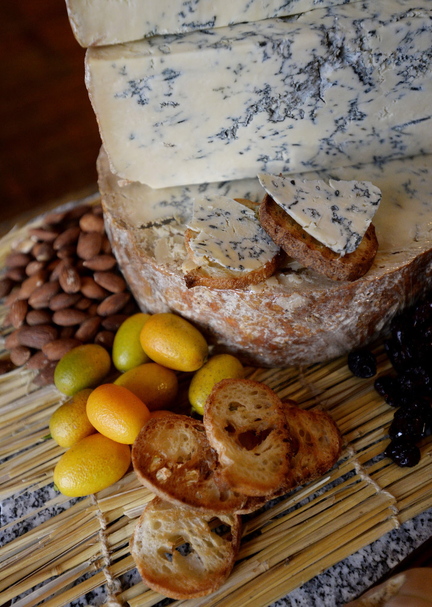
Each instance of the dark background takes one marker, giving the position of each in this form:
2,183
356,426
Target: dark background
49,139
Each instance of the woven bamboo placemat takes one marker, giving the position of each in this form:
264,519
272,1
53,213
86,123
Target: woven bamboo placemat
84,544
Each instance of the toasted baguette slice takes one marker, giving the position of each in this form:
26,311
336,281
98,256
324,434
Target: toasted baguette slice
172,457
245,424
317,444
178,552
211,274
308,251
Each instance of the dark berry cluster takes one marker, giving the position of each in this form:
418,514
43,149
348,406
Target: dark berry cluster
409,387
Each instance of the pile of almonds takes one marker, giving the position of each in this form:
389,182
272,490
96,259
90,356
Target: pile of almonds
63,288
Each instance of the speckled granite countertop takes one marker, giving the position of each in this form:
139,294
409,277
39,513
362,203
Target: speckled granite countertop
332,588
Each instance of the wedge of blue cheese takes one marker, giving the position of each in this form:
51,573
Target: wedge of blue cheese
336,213
332,87
102,22
228,233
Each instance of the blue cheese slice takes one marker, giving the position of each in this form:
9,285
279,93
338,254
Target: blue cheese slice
229,234
332,87
102,22
337,214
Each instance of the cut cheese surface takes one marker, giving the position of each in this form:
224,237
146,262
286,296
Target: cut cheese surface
336,213
229,234
332,87
102,22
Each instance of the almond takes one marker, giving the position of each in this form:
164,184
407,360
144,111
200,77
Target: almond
16,259
34,266
37,361
100,263
84,303
20,355
113,303
16,274
36,336
18,313
64,300
6,285
89,244
92,223
55,350
12,340
67,251
89,288
31,283
54,217
88,329
105,339
43,234
66,238
70,280
110,281
41,296
112,323
43,251
38,317
59,267
78,211
69,317
46,374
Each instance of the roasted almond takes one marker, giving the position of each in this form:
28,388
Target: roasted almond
59,267
54,217
113,303
55,350
17,274
38,317
37,361
43,234
78,211
110,281
106,246
69,317
112,323
42,295
64,300
16,259
89,244
88,329
31,283
43,251
6,285
12,340
100,263
66,238
70,280
6,365
89,288
18,313
36,336
20,355
34,266
46,374
92,223
67,251
84,303
105,339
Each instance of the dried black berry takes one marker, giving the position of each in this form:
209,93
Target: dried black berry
408,428
416,381
362,363
403,453
388,387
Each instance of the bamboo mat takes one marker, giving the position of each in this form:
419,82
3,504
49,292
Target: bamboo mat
84,546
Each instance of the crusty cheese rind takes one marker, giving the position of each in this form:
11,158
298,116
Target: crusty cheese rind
307,250
164,568
297,317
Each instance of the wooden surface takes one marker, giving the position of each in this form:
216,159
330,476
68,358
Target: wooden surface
49,138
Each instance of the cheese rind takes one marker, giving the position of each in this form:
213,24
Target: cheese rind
103,22
230,235
296,317
337,214
332,87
